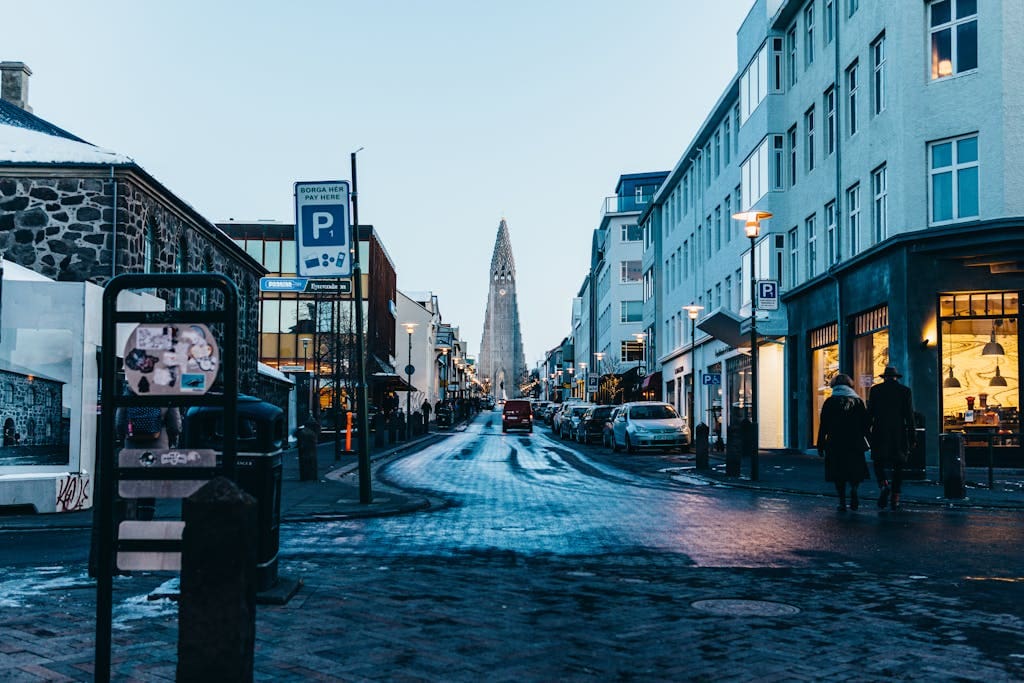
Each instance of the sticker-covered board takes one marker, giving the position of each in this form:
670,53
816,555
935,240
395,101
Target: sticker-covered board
171,359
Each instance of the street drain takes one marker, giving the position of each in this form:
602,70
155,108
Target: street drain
745,608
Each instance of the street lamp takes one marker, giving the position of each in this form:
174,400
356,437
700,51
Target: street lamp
752,228
641,338
305,368
583,381
693,310
409,369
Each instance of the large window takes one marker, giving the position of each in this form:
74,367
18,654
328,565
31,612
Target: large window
630,271
631,233
851,90
824,366
631,351
953,179
853,217
631,311
880,204
754,173
878,75
870,348
953,25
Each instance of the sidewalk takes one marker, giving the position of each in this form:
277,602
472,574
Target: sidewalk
799,473
334,495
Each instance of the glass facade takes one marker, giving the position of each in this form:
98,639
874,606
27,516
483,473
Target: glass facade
870,348
824,366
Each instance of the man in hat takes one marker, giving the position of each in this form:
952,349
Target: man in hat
891,417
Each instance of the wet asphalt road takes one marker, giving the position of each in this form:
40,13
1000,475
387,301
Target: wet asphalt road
550,561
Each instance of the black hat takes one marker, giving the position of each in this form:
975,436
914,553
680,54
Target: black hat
890,371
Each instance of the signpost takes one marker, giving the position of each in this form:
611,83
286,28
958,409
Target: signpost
322,229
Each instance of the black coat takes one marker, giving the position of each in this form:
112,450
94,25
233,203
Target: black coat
841,438
891,415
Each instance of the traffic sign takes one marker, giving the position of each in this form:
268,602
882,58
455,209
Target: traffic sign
305,285
593,382
410,370
322,229
768,295
641,371
711,379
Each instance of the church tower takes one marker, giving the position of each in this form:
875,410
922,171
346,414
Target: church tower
502,360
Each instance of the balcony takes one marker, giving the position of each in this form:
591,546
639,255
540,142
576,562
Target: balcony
618,204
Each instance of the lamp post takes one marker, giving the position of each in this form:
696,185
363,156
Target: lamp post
409,369
583,380
752,228
305,369
693,310
641,338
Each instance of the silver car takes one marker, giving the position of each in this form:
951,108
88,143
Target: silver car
649,425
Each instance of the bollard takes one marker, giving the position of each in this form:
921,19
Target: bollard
700,446
951,462
307,453
217,609
734,449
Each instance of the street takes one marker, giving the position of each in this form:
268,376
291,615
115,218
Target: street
545,560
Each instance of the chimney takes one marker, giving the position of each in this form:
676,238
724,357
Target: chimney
14,84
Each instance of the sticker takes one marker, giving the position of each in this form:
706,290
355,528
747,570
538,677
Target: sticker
166,359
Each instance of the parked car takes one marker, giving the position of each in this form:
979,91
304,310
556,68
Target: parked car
516,414
649,425
606,429
571,419
591,424
538,409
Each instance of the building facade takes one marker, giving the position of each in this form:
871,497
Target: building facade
502,363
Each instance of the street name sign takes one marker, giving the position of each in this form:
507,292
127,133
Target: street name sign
305,285
322,229
768,295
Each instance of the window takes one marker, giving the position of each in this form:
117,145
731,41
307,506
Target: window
753,84
778,163
707,164
754,173
736,128
726,146
728,291
725,218
809,34
739,293
631,351
673,272
953,179
953,25
718,228
791,54
631,311
631,233
830,22
878,75
794,256
629,271
791,139
718,153
851,89
829,105
707,242
639,196
880,194
812,245
649,284
679,265
778,68
686,258
809,138
852,6
150,248
853,214
718,295
831,238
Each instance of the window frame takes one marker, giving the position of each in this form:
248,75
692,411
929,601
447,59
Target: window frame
809,35
831,234
794,255
953,26
624,270
852,81
809,139
878,61
954,171
811,230
792,152
853,217
829,106
791,55
880,203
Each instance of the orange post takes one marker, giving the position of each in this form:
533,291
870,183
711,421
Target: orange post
348,432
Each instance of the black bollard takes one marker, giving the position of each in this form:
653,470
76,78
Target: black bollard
307,453
734,449
217,609
700,446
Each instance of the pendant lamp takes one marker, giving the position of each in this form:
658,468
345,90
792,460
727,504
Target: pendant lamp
997,380
951,382
993,348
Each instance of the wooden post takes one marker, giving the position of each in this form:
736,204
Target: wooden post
217,610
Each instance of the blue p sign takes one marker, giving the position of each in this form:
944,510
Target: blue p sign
323,226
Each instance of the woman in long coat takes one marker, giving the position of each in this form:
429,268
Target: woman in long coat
842,439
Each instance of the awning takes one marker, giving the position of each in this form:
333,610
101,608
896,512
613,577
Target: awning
724,326
391,382
652,380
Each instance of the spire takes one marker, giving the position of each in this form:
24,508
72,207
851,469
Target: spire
502,361
502,262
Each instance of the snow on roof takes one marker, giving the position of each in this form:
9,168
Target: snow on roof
24,146
12,271
264,369
421,296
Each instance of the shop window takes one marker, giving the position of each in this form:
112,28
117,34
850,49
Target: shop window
870,348
824,366
738,381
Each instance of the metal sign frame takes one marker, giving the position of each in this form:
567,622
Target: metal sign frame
108,471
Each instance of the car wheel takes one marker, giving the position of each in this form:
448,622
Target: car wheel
504,430
530,430
629,446
615,444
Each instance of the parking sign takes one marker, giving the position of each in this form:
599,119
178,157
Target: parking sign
768,295
322,229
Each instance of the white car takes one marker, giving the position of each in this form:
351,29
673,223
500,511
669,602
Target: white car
649,425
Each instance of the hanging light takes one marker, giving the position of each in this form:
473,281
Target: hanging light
951,382
997,380
993,348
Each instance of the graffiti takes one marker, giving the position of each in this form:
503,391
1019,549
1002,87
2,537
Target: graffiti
73,493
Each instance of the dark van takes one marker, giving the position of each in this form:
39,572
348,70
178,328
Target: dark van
517,415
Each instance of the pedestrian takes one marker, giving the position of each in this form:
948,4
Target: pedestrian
891,418
426,415
149,428
842,440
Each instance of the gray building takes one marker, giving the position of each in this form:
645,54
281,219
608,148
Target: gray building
502,363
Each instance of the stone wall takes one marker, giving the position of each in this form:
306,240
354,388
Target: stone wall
61,226
31,408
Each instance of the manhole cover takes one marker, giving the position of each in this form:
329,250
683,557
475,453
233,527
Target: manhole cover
745,608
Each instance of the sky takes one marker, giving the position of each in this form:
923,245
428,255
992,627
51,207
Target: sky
467,112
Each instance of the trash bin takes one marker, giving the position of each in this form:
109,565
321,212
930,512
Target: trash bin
261,436
951,464
735,447
915,467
